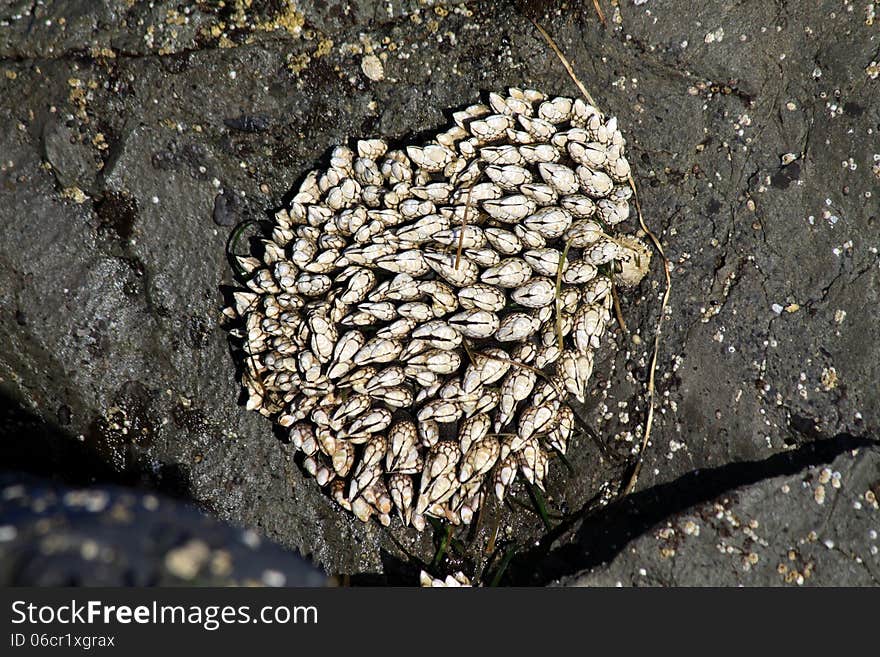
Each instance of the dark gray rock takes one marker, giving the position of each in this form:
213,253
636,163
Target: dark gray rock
112,277
53,535
227,209
75,164
818,527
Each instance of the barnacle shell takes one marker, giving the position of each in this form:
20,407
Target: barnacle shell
406,312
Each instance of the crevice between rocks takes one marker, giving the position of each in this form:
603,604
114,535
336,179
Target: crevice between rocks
32,444
599,536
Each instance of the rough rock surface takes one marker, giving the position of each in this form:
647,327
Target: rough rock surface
817,527
135,136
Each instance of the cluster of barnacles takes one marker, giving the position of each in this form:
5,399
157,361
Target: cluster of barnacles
455,580
420,320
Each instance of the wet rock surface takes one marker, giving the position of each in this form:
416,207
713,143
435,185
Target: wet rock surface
135,138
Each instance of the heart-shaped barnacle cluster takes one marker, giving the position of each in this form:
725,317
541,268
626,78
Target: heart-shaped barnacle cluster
420,319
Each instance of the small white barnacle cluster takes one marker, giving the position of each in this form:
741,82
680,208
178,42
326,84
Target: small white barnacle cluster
420,320
455,580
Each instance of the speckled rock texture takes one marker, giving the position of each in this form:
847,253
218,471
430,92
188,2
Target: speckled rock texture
55,535
818,527
136,135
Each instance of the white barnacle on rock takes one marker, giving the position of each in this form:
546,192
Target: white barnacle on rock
422,320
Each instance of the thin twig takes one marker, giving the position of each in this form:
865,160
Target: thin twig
649,421
562,58
515,363
467,350
617,311
601,13
467,207
558,297
652,372
490,546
